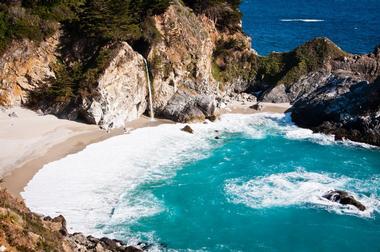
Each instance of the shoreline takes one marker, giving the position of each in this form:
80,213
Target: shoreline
16,179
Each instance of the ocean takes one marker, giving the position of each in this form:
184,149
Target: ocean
243,183
282,25
258,187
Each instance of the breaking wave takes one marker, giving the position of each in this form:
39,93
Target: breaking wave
304,189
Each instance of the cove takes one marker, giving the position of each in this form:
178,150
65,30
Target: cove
257,188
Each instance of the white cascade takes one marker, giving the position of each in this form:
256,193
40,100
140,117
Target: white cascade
150,91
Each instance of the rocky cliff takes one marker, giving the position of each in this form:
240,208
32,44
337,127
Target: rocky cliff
308,68
22,230
184,88
25,66
332,91
190,62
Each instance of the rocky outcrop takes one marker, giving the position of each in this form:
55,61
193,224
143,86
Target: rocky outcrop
181,65
346,106
25,66
303,77
121,90
343,198
22,230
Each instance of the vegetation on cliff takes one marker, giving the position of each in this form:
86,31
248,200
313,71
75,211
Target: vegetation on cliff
225,13
233,60
21,230
287,68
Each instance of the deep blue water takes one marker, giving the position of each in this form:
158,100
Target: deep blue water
353,24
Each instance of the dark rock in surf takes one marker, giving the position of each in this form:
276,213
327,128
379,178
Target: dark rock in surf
343,198
257,107
188,129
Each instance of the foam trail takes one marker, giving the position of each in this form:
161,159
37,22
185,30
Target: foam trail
302,20
302,188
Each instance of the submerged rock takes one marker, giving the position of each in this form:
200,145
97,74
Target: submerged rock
343,198
188,129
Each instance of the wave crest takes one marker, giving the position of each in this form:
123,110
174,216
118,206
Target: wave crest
302,189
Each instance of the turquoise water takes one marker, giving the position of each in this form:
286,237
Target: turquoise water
279,25
257,188
208,205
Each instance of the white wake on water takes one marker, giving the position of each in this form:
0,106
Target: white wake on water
306,20
304,189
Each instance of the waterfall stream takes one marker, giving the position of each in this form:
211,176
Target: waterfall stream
149,90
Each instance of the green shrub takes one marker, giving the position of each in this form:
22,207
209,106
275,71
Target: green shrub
287,68
225,13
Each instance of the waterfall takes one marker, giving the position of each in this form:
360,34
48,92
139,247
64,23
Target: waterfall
150,91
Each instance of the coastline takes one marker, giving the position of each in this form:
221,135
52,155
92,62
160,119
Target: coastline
16,179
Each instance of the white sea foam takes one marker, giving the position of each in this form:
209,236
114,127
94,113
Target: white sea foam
88,187
306,20
99,186
305,189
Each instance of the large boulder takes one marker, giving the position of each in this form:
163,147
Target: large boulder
343,198
186,106
121,90
278,94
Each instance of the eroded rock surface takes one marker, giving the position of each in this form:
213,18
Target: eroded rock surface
346,106
24,67
121,91
181,65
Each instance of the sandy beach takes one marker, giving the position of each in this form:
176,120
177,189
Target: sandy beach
29,141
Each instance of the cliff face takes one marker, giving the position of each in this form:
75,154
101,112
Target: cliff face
194,66
184,64
25,66
181,65
121,90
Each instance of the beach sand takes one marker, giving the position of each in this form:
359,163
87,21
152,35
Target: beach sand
30,141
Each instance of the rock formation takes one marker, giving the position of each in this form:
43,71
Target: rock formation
332,91
22,230
188,129
181,65
345,106
121,90
343,198
25,66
